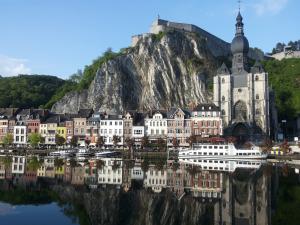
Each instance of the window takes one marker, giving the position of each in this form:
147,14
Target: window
257,97
223,80
223,98
223,112
256,78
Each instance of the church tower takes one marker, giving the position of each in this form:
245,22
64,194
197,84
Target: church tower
242,93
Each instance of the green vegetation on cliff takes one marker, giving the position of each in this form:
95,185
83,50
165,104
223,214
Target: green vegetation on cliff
28,90
284,78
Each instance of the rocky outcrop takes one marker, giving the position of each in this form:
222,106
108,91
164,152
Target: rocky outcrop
161,71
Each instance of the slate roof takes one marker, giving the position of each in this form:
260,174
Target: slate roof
206,107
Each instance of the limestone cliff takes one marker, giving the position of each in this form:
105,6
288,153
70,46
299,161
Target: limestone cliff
160,71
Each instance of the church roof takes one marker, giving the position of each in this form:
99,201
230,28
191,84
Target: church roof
257,68
223,69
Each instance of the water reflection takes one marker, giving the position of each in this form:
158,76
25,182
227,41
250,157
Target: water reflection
164,192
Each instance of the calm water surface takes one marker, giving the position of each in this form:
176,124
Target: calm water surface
153,193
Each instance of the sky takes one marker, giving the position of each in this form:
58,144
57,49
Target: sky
58,37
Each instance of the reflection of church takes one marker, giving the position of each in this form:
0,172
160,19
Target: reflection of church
242,93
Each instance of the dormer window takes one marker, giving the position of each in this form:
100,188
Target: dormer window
256,78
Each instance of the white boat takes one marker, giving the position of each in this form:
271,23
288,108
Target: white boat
63,153
220,151
105,154
83,153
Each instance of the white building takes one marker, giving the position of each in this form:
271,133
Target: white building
155,179
20,134
206,120
48,131
18,164
137,173
110,175
110,126
156,125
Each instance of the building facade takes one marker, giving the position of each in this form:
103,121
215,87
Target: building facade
242,93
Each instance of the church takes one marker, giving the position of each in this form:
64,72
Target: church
242,92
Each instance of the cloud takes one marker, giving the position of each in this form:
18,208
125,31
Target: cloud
13,66
269,6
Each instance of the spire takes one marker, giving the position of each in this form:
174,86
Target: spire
239,25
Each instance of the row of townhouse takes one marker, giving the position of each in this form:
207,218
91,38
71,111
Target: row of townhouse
88,126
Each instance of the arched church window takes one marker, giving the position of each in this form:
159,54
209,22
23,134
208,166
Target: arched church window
239,90
240,111
256,78
223,98
257,97
223,80
257,111
223,112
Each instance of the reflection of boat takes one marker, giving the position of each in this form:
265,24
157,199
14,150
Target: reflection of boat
83,153
63,153
106,154
220,151
224,165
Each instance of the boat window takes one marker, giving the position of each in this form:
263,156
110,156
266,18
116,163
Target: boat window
210,168
226,154
205,153
204,146
226,147
210,147
205,161
195,160
216,168
221,161
215,147
210,161
183,153
215,161
221,147
195,153
205,167
221,153
215,153
210,153
200,153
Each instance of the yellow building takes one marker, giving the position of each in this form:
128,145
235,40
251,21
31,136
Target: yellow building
62,132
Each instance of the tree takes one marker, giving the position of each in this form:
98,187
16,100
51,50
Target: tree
145,165
192,139
59,140
7,161
129,164
129,142
73,163
34,139
34,164
161,143
231,140
8,139
74,141
100,164
175,142
100,142
115,165
159,164
285,147
267,145
58,162
175,166
116,140
87,142
144,142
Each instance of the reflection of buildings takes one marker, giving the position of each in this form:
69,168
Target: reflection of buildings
111,173
155,179
245,199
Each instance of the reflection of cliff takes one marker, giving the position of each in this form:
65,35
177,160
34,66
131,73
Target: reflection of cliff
112,206
245,199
